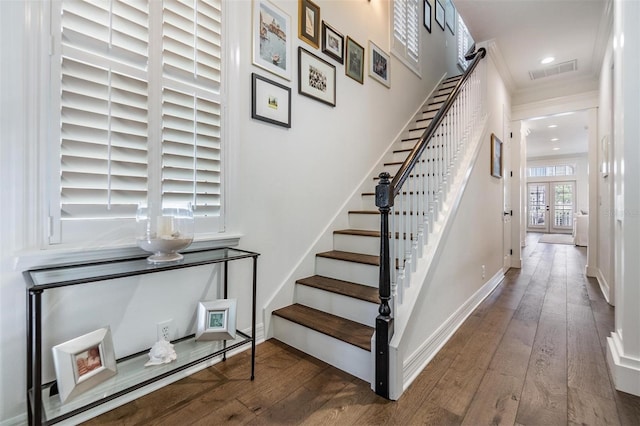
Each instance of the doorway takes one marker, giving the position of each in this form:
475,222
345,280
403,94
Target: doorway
550,206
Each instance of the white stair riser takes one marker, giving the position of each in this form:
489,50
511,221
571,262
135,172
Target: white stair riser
416,133
357,244
400,156
337,304
392,169
364,221
369,202
358,273
346,357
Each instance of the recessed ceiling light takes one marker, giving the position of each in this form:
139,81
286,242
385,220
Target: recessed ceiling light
547,60
553,126
554,139
556,149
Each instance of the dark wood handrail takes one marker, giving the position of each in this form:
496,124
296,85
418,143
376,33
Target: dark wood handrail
386,192
409,163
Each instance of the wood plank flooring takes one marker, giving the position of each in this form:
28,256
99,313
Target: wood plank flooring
533,353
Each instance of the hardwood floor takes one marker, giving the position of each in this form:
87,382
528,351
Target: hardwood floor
533,353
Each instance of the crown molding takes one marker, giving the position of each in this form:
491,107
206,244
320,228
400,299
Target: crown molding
501,65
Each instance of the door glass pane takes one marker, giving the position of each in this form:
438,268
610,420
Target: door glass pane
537,204
563,205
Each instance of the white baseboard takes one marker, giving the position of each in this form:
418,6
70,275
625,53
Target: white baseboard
416,362
625,370
604,287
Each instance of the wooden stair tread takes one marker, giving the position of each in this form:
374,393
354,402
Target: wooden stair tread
347,256
345,288
360,232
343,329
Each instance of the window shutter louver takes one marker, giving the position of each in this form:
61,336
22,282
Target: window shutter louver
406,32
191,110
108,162
103,109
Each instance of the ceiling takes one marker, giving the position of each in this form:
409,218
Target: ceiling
524,32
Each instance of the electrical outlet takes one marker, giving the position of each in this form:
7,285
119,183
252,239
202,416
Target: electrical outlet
165,330
484,272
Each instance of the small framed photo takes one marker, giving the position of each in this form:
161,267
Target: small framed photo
450,16
440,14
270,101
316,77
83,362
427,15
332,43
216,320
496,156
379,64
309,22
271,39
354,67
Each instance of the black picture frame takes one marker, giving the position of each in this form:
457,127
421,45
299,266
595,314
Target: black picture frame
440,14
332,43
267,99
427,15
450,16
316,77
309,22
355,64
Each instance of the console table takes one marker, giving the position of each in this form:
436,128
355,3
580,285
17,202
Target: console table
43,403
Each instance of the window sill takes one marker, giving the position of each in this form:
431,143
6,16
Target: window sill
30,259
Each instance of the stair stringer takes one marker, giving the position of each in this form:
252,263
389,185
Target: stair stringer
305,266
402,369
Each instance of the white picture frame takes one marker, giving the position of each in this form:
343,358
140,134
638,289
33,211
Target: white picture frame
379,64
84,362
271,39
216,320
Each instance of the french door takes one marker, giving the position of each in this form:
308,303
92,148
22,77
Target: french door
551,206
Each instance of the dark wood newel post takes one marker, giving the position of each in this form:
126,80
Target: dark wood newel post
384,322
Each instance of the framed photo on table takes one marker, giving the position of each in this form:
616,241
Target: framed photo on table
271,39
316,77
496,156
84,362
216,320
354,67
309,22
270,101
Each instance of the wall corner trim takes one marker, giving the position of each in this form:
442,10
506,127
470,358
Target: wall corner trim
625,370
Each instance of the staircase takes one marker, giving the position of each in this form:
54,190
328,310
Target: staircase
334,312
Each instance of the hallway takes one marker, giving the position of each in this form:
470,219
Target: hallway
532,353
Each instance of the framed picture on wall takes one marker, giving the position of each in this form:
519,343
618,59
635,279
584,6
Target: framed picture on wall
270,101
450,16
354,67
216,320
496,156
316,77
379,64
309,22
332,43
427,15
271,39
440,14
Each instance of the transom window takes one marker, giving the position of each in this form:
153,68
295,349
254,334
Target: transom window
556,170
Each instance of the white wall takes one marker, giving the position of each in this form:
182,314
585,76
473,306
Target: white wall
605,191
475,239
283,185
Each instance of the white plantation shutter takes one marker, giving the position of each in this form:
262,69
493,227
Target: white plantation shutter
406,33
191,109
136,85
465,41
